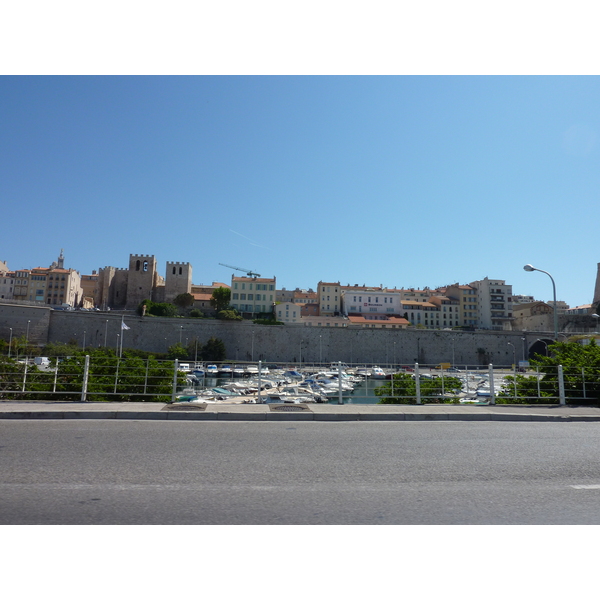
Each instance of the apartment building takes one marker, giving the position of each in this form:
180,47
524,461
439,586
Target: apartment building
7,283
371,300
288,312
448,313
54,286
253,295
468,306
329,298
494,299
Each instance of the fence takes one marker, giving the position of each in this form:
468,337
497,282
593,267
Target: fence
83,378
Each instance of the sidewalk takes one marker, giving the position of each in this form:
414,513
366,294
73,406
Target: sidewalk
293,412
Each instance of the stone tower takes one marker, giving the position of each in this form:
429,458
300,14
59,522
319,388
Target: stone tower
597,288
178,280
142,279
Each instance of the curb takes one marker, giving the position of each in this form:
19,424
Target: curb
291,416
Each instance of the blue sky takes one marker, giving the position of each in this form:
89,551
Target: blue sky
406,181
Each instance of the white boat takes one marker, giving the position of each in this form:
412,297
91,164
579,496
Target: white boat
212,371
238,371
225,370
377,373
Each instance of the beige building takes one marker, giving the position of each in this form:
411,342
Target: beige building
52,286
329,299
533,316
253,295
373,321
288,312
468,304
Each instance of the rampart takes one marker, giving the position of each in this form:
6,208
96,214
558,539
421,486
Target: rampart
246,341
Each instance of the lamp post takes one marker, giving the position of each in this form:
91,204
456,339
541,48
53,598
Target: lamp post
9,342
106,334
514,353
320,349
532,268
514,368
597,317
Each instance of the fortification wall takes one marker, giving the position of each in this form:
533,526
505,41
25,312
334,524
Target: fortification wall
288,344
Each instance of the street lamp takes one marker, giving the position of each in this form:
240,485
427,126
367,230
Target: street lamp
9,342
597,317
532,268
514,353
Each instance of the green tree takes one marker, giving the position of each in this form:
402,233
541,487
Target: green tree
229,315
402,389
580,363
214,350
157,309
183,301
220,299
177,351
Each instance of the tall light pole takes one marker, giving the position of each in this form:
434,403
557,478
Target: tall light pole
532,268
514,353
597,317
9,342
105,334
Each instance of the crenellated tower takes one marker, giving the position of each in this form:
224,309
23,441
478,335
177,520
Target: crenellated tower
178,280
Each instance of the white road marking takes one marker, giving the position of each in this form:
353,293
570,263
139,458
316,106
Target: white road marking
595,486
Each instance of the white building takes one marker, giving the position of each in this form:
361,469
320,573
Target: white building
494,300
380,301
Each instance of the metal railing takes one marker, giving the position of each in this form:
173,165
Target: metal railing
82,378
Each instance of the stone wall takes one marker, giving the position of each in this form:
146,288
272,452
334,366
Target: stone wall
291,343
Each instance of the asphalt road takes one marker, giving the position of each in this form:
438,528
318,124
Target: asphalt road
145,472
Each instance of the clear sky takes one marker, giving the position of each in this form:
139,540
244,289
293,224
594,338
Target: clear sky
405,181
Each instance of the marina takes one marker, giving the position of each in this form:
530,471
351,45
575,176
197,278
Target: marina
321,384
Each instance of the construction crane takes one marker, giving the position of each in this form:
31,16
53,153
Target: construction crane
247,271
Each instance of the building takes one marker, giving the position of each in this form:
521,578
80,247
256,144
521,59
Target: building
420,313
494,299
533,316
253,295
7,283
358,300
468,304
288,312
375,321
448,313
329,299
127,288
53,285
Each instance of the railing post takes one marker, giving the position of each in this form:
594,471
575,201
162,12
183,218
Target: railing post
24,374
418,383
561,386
491,378
86,375
175,370
259,397
340,401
